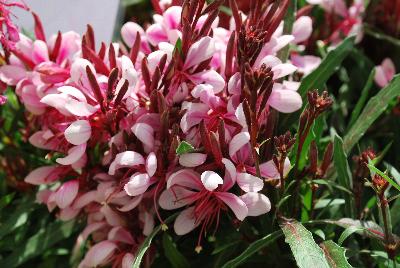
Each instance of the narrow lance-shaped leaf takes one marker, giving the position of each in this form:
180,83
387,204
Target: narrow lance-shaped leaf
176,258
364,96
252,249
344,175
40,242
147,242
328,66
374,108
305,250
335,255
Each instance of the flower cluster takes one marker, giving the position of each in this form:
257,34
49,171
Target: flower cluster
175,119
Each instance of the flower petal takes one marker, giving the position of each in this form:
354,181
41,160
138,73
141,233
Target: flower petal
211,180
78,132
66,194
100,254
200,51
151,164
135,201
185,222
112,217
43,175
235,204
79,108
237,142
285,101
256,203
145,133
185,177
302,29
125,159
74,155
137,184
249,183
192,159
174,198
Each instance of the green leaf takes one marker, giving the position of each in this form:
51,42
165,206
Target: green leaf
366,228
364,96
18,218
374,108
176,258
6,200
147,242
184,148
253,248
306,252
344,175
328,66
335,254
347,232
383,175
38,243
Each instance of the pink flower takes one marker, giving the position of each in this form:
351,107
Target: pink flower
384,72
207,196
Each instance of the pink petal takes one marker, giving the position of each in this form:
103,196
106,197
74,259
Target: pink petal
302,29
249,183
185,177
129,31
192,159
68,214
236,204
56,101
156,34
380,77
125,159
78,72
11,75
120,234
200,51
237,142
389,68
172,17
89,229
185,222
66,194
305,64
42,175
112,217
78,132
134,202
211,180
137,184
285,101
148,222
268,169
256,203
100,254
151,164
128,71
209,77
72,91
79,108
40,52
84,199
74,155
127,260
174,198
145,133
230,174
282,70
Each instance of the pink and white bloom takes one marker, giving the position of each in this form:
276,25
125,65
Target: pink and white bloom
384,72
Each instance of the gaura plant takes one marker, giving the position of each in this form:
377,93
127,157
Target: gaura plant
211,130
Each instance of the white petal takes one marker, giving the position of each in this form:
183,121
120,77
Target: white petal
78,132
211,180
249,183
256,203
